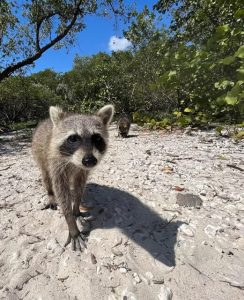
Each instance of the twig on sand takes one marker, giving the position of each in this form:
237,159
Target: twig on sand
240,287
7,167
235,167
200,272
32,235
166,224
112,286
172,210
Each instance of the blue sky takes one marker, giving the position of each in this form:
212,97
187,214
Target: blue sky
93,39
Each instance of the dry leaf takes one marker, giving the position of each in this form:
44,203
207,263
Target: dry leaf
178,188
93,259
168,169
84,208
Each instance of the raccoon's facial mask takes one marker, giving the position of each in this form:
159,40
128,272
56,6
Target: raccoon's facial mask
70,145
81,139
84,152
98,142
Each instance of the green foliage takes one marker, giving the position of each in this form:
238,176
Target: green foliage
23,99
192,73
205,68
23,125
155,120
239,135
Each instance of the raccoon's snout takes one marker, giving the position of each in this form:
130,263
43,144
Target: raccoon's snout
89,161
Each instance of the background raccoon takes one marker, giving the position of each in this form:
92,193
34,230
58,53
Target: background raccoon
66,147
123,126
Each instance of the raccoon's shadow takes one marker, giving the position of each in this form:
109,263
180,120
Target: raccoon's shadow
13,142
128,136
131,136
116,208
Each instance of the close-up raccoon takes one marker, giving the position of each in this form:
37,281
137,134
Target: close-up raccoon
66,147
123,126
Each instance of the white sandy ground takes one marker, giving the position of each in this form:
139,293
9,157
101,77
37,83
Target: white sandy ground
142,245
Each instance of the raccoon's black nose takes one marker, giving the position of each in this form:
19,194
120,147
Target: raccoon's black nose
89,161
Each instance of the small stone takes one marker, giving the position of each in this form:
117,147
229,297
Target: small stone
136,277
123,270
116,252
158,281
186,230
93,259
165,293
188,200
149,275
98,269
211,230
63,278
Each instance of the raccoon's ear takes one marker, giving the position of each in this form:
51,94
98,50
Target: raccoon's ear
56,114
106,114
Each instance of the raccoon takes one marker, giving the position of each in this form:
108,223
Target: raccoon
123,127
66,148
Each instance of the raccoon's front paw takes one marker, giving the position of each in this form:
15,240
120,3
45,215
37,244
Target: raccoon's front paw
77,243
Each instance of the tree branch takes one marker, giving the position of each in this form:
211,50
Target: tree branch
38,28
115,11
28,61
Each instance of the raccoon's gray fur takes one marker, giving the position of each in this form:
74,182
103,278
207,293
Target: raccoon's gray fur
66,147
123,126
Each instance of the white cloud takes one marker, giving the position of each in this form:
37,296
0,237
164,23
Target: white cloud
118,44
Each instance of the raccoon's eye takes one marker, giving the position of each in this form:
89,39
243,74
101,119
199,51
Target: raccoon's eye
74,138
96,138
98,142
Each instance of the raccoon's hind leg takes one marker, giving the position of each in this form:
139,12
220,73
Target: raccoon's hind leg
48,184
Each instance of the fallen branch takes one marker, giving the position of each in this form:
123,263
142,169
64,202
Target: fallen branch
200,272
32,235
165,225
241,287
6,168
235,167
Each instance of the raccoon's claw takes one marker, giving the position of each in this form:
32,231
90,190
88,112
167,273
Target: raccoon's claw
52,206
77,243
